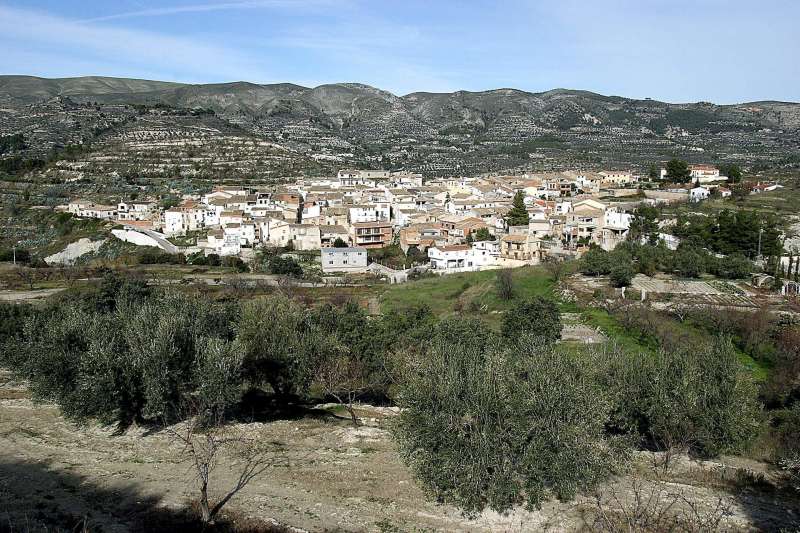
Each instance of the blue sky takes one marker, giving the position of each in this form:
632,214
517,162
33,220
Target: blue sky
723,51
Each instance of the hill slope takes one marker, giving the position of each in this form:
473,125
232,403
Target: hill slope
344,104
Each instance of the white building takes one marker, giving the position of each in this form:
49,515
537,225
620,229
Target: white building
135,210
369,212
352,260
615,177
186,217
705,173
461,257
454,257
485,253
698,194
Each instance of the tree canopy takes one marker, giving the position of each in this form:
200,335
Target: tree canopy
732,171
483,426
677,170
538,318
733,232
518,215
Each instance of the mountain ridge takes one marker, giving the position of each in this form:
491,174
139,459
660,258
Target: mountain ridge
93,80
359,115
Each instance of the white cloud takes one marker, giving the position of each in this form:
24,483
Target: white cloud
63,39
220,6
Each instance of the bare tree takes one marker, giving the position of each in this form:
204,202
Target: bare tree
206,439
27,275
654,506
343,378
557,268
69,274
287,286
237,285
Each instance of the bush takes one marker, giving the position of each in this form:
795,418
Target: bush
538,318
689,261
231,261
281,345
154,256
285,266
693,398
8,254
483,427
505,284
137,363
787,452
595,262
733,267
621,275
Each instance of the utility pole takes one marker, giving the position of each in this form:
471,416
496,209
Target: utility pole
760,231
14,254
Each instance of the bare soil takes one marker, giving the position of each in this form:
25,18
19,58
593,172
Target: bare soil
338,478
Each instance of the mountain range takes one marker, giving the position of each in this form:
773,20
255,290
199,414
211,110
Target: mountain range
358,107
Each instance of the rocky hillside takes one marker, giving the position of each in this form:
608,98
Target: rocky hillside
437,133
347,104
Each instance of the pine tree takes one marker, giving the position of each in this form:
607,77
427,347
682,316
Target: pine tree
518,215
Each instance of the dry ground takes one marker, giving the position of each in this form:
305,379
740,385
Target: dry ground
338,478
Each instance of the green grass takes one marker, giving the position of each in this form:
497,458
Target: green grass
463,293
759,371
614,331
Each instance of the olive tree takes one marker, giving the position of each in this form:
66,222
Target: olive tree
486,426
136,363
697,398
282,345
537,317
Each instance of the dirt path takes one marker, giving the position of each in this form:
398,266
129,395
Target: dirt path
338,477
24,296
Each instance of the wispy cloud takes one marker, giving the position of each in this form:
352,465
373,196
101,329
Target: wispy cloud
219,6
393,57
64,41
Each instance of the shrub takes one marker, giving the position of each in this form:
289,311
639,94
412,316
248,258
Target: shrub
483,427
621,275
22,256
537,317
231,261
285,266
595,262
788,444
136,363
692,398
505,284
733,267
689,261
282,345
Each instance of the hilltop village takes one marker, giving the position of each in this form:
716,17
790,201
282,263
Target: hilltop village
455,224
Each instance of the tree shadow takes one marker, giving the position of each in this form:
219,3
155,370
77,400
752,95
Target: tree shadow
260,406
769,505
37,497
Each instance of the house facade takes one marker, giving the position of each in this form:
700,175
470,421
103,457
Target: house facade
348,260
